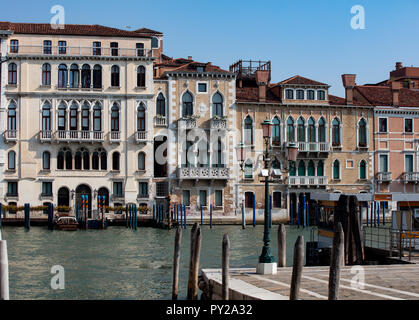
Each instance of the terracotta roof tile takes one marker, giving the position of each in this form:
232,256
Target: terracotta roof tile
146,30
383,96
334,100
301,80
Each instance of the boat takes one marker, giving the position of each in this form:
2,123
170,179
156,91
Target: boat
67,223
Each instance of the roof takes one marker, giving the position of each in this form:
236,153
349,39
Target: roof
251,94
71,29
334,100
301,80
192,65
149,31
383,96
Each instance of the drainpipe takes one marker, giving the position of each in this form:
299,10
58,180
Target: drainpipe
126,129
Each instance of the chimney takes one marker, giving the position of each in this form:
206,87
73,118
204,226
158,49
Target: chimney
190,58
348,81
262,79
399,65
395,89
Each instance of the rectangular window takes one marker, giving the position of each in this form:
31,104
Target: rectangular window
114,49
47,47
248,199
276,199
12,188
140,49
200,69
408,125
408,163
383,163
14,46
202,87
97,51
62,47
218,198
47,188
117,189
382,125
186,198
349,164
143,190
203,198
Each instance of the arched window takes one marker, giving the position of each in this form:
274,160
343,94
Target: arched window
62,119
248,131
141,161
11,117
46,74
86,160
63,197
161,105
248,169
11,160
310,94
46,160
320,169
301,130
321,95
95,160
86,76
115,118
217,105
115,76
363,170
97,77
362,133
78,160
300,94
301,169
12,73
311,170
74,116
290,130
68,160
276,164
336,132
289,94
97,117
46,117
103,160
187,107
311,130
336,170
154,42
141,117
115,161
85,117
276,132
60,160
322,130
141,77
62,76
74,76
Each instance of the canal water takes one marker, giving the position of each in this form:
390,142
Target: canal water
120,263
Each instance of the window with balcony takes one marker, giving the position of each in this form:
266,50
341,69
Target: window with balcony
140,49
14,46
203,198
62,47
383,163
46,117
115,161
12,190
187,104
141,77
301,168
85,76
322,130
276,200
46,74
12,73
311,130
382,125
408,163
218,151
290,130
320,169
362,133
363,170
301,130
248,131
161,105
115,76
141,161
292,165
78,162
11,117
97,76
99,157
68,160
11,161
186,198
46,160
142,189
289,94
114,49
218,198
97,117
47,47
203,152
141,118
408,125
97,51
336,170
74,76
73,116
300,94
47,189
311,170
217,105
85,117
336,132
276,131
115,118
62,76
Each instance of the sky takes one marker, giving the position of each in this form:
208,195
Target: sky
313,39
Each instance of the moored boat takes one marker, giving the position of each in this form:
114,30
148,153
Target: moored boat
67,223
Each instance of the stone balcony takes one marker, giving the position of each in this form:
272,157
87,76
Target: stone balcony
218,123
160,121
10,135
187,124
204,173
79,136
115,136
141,136
294,181
411,177
45,136
384,177
313,146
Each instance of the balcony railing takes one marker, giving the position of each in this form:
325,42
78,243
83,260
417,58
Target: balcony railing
141,136
314,146
187,124
384,177
115,136
203,173
77,136
160,121
218,124
78,51
45,135
10,135
307,181
411,177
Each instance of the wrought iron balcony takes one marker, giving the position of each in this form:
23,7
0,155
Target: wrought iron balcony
411,177
141,136
160,121
45,135
307,181
218,123
79,136
115,136
384,177
204,173
10,135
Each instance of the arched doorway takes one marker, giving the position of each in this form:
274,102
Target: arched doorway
84,190
104,192
63,197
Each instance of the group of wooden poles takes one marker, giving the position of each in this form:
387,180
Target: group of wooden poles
337,262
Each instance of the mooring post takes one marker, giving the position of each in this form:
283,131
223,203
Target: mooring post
196,238
4,271
384,215
50,216
308,214
211,216
367,213
184,219
176,261
282,246
297,268
298,214
375,214
1,212
27,216
254,209
136,217
154,213
336,262
77,212
243,218
378,213
225,264
126,215
181,215
291,215
202,216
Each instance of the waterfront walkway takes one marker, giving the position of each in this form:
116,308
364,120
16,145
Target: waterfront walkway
384,282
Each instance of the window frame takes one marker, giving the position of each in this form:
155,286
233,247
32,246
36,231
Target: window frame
380,119
12,74
412,126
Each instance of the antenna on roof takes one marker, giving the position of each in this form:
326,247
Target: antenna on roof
128,27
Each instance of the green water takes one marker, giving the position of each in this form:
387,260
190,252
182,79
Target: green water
119,263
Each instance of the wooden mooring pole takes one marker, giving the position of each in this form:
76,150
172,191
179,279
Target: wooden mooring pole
196,238
225,264
27,216
282,246
297,268
4,271
336,262
176,261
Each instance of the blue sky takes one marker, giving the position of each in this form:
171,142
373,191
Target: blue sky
310,38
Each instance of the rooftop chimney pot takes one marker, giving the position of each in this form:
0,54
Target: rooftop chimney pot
348,81
189,57
399,65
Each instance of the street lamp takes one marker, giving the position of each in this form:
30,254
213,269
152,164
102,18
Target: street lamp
240,154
